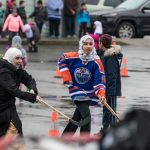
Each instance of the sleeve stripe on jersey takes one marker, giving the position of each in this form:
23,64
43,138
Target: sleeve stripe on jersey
63,65
63,69
99,85
99,63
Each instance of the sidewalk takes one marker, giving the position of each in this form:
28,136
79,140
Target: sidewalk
49,41
61,41
74,41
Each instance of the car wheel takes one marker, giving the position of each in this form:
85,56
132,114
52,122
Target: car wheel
126,30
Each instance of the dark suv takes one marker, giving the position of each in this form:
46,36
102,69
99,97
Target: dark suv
128,20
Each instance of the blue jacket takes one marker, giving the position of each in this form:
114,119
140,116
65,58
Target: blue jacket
83,16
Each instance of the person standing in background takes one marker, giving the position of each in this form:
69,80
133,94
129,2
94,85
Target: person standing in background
70,12
13,22
10,4
2,16
98,31
83,19
22,11
54,9
17,43
39,14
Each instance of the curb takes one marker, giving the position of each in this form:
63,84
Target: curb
46,41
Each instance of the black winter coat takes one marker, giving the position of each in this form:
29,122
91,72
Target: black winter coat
112,73
10,79
40,15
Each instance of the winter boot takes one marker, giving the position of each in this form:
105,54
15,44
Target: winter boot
29,49
35,48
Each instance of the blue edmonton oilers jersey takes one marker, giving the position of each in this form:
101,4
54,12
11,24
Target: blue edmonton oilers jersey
88,78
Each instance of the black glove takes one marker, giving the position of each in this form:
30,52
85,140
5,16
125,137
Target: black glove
57,9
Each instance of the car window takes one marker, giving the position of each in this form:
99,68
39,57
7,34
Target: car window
92,2
131,4
112,3
147,5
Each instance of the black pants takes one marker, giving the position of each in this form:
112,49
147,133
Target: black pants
11,35
10,115
108,118
54,27
0,30
70,24
40,26
32,45
81,112
83,29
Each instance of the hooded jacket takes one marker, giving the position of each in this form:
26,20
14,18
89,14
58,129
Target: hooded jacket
17,42
10,79
54,8
110,59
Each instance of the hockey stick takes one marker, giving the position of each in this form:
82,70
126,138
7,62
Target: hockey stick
110,109
79,124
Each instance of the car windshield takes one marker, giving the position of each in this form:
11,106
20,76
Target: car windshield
131,4
93,2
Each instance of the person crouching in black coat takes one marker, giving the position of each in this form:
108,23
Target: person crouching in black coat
110,56
11,75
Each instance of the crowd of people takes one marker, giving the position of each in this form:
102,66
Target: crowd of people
72,12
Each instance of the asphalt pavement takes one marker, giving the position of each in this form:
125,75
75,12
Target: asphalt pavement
36,119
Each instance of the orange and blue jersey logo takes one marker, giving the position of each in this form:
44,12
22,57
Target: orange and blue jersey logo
82,75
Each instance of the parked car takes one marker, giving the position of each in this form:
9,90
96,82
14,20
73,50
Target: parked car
131,19
97,5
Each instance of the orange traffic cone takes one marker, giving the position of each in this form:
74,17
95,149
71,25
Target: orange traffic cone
53,132
124,70
58,73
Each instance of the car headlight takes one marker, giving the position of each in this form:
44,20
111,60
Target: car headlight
110,15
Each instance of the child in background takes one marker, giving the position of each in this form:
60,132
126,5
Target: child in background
98,31
83,19
10,4
22,11
13,23
2,16
17,43
33,35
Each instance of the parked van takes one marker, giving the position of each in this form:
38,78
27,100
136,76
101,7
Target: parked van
97,5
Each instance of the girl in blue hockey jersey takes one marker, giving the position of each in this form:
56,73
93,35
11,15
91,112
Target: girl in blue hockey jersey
83,72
